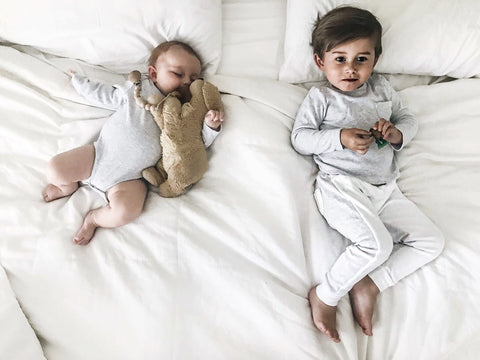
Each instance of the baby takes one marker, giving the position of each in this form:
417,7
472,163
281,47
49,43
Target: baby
356,188
128,142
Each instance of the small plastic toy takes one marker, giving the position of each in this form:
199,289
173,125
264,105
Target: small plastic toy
381,142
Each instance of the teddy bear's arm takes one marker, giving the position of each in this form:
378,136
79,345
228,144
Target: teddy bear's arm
212,97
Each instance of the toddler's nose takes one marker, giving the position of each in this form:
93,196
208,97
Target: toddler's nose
350,68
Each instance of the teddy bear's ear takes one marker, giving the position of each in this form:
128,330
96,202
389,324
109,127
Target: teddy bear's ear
211,95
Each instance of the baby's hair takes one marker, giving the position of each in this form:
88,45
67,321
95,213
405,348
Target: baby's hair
344,24
163,48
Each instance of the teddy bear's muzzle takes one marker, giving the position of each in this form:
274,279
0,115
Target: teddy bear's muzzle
185,94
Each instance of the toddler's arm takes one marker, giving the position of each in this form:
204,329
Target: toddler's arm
402,119
389,132
103,95
306,137
357,140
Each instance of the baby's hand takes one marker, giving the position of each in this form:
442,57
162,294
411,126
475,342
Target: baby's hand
389,132
357,140
214,119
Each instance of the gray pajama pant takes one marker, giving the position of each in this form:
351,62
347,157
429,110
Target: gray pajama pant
390,237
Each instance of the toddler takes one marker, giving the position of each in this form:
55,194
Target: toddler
356,188
128,142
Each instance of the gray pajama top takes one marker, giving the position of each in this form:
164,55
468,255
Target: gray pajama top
326,110
129,141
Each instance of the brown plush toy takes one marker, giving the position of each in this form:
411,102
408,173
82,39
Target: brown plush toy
184,159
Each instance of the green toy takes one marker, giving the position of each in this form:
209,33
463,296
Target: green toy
381,142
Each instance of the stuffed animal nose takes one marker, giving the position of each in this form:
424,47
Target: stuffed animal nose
185,92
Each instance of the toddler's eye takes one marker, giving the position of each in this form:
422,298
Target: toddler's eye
361,59
177,74
340,59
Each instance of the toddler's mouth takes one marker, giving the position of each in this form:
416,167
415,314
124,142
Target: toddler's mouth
350,80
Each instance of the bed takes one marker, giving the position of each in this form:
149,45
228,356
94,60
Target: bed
223,271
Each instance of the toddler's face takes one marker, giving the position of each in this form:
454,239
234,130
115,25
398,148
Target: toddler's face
348,65
174,70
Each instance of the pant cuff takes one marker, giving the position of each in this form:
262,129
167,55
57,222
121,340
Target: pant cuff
381,279
325,297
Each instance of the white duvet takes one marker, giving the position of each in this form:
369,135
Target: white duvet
222,272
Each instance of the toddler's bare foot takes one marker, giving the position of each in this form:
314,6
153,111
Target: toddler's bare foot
52,192
86,232
324,316
363,297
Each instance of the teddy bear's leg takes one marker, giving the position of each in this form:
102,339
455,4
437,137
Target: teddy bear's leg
171,189
161,171
153,176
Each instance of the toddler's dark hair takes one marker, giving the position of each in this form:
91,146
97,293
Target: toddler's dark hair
163,48
344,24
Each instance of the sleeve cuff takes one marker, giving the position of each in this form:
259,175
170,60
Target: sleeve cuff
209,134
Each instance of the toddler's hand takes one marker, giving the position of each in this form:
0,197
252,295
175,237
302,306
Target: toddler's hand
214,119
389,132
357,140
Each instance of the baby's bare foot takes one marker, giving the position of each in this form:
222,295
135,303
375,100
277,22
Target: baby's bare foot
52,192
86,232
363,297
324,316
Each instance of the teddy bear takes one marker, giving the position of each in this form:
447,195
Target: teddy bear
184,158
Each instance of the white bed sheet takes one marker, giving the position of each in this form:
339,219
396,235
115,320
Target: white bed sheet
17,340
223,271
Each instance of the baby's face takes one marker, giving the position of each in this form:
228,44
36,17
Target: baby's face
174,70
348,65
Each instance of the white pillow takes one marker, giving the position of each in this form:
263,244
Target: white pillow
428,37
253,34
117,34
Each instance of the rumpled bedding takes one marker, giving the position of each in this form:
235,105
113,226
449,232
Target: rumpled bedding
222,272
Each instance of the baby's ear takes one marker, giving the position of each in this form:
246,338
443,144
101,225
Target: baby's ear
152,73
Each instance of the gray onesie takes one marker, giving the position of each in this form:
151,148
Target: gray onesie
129,141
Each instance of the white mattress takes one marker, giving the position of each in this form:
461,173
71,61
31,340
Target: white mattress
223,271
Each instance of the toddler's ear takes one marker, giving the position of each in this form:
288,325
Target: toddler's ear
318,61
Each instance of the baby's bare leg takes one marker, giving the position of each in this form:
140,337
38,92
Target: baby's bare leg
363,297
324,316
125,205
65,170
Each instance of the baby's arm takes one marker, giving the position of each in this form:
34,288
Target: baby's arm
102,95
211,127
214,119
